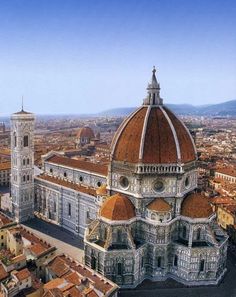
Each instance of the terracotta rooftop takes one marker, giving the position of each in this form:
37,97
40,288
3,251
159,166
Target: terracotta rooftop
196,205
117,208
3,273
67,184
70,270
5,166
227,171
22,274
4,220
78,164
149,137
159,204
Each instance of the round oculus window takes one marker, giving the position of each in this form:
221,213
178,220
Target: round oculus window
124,182
158,186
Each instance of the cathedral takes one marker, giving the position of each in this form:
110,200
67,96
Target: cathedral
141,215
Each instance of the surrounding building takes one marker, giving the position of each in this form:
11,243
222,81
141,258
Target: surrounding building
31,267
5,171
140,215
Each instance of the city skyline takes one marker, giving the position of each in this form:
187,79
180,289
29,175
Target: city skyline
72,57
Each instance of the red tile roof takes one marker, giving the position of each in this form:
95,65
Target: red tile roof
118,208
22,274
5,166
3,273
67,184
78,164
159,204
195,206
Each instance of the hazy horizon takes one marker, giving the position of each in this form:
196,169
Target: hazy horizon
81,57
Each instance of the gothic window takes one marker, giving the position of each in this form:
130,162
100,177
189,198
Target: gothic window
119,235
184,231
26,140
81,178
176,261
23,178
99,184
28,178
159,262
27,161
119,268
142,261
198,233
65,174
23,162
93,262
51,170
69,209
202,264
15,140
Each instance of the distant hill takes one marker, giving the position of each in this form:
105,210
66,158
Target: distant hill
222,109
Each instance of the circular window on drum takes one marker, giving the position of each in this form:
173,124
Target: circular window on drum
124,182
187,182
158,186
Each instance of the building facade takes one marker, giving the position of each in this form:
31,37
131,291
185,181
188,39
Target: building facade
154,225
141,216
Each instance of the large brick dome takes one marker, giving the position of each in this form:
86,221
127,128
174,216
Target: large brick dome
153,134
117,208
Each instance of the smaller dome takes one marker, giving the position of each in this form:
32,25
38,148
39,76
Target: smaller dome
102,190
196,205
85,132
159,205
117,208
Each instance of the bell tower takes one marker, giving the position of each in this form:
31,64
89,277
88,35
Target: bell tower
22,165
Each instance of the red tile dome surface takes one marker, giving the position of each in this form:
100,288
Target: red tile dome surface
117,208
153,135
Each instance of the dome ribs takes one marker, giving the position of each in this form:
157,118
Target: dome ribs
159,142
128,144
185,141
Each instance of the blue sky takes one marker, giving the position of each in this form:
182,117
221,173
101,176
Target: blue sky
87,56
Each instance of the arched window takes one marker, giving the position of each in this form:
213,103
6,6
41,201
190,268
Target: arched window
23,162
93,262
69,209
202,265
142,261
23,178
54,206
198,237
159,262
28,161
119,268
176,261
184,231
65,174
119,235
26,141
99,184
